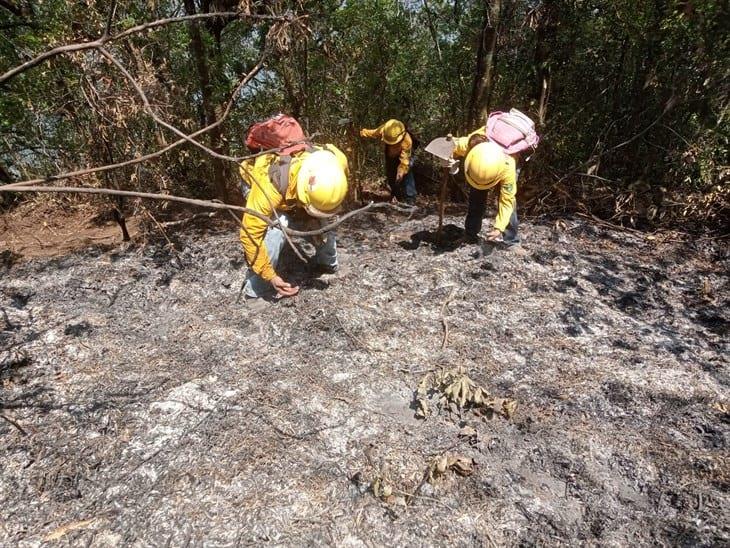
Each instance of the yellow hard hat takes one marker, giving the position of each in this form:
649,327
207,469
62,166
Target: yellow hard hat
483,165
321,184
393,131
341,158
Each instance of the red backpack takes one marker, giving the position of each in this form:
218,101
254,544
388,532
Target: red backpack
280,132
282,135
513,131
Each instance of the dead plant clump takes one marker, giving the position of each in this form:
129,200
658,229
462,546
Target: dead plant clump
144,402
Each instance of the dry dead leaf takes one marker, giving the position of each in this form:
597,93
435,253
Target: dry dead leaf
464,466
468,432
721,407
458,389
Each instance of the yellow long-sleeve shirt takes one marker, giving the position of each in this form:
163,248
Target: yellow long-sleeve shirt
403,149
507,180
265,198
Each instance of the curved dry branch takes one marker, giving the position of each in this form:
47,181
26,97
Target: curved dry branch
209,204
149,110
106,38
109,167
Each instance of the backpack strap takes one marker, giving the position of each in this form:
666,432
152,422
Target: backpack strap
279,173
279,170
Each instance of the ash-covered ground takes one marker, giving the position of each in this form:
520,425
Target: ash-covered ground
144,405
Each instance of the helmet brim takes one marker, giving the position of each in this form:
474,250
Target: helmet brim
314,212
397,140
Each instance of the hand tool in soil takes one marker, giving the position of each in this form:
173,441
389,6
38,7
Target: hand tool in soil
442,148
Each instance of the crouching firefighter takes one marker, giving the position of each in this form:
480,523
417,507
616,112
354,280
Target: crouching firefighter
302,179
399,146
491,160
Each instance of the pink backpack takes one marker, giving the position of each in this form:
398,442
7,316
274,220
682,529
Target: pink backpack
513,131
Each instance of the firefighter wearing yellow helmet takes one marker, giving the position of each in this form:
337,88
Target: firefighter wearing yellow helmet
486,166
398,143
315,182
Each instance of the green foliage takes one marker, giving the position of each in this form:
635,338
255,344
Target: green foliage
636,91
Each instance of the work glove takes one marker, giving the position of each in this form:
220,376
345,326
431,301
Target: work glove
451,163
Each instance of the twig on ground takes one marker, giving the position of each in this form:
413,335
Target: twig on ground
172,246
445,340
14,423
691,238
612,225
208,215
358,343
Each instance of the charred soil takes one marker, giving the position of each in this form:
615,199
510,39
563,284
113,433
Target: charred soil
143,402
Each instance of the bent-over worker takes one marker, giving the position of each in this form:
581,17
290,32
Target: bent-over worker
398,158
316,182
486,166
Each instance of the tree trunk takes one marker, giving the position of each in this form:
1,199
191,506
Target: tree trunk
546,30
197,49
483,76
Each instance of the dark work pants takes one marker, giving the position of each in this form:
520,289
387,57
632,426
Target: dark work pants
475,214
406,188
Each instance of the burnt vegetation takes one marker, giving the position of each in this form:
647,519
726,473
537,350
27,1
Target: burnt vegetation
573,390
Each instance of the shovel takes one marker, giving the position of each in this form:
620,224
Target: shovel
442,148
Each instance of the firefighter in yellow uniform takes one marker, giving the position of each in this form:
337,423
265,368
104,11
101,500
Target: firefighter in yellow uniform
486,166
398,158
314,181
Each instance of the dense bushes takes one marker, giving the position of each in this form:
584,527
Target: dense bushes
631,97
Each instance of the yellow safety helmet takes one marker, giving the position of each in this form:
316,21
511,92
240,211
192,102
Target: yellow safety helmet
483,165
321,184
393,131
341,158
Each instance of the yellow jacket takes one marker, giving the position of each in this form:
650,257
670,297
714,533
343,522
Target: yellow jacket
507,180
403,149
265,198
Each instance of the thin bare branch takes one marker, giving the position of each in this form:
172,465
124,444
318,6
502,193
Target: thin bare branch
105,39
12,8
209,204
81,172
14,423
110,18
149,110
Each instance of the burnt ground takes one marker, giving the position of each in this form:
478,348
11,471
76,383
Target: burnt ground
149,407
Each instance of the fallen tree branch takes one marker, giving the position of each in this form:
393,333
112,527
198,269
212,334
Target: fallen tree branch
208,204
106,38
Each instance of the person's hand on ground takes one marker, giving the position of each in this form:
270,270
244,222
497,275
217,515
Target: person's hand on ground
494,235
284,289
